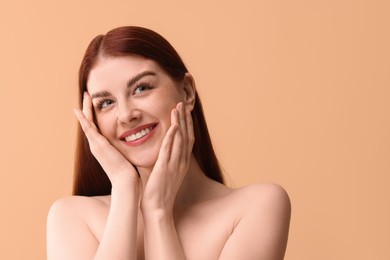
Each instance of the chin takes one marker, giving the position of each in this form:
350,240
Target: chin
146,162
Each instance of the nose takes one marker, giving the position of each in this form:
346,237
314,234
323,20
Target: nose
127,113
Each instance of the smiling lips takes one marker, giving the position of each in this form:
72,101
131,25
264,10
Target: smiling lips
139,135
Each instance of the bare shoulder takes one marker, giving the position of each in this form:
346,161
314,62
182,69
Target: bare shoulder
255,197
261,195
76,211
71,225
78,204
263,216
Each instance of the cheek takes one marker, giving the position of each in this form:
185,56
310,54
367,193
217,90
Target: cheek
162,106
106,126
165,112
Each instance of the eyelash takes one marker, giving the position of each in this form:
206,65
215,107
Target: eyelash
100,104
145,86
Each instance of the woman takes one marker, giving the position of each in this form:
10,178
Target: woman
155,189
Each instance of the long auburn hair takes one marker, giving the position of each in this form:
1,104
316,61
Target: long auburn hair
89,177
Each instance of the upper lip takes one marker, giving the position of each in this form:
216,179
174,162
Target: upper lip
136,130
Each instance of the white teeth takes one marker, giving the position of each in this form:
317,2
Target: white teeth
138,134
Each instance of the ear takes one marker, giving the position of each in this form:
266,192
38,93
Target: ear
189,91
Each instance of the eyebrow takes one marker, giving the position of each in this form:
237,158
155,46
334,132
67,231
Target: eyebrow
139,76
100,94
131,82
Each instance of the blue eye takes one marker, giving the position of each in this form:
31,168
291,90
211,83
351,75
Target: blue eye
104,103
141,88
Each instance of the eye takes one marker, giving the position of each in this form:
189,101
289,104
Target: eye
103,103
142,88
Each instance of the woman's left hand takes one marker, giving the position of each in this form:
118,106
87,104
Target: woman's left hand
172,163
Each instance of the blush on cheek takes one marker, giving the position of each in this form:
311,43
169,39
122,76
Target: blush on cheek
107,128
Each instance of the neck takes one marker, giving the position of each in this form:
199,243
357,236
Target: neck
194,185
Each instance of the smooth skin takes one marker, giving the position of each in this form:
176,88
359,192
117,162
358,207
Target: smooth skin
167,208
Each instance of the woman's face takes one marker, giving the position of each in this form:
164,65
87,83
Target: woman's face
133,98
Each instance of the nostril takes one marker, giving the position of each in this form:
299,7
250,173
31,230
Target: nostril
127,114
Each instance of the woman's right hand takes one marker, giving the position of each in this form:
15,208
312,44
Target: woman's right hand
117,168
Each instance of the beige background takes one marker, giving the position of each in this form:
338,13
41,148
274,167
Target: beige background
295,92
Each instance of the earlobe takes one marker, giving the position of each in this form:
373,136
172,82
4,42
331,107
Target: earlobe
189,91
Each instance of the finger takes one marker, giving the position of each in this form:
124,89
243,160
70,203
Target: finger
87,106
166,146
95,139
88,127
183,141
182,120
190,132
177,142
84,123
174,118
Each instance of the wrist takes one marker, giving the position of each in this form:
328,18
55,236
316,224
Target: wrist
125,187
154,212
157,217
123,180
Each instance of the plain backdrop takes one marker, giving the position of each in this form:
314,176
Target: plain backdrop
295,92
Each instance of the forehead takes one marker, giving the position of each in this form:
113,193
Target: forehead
110,71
